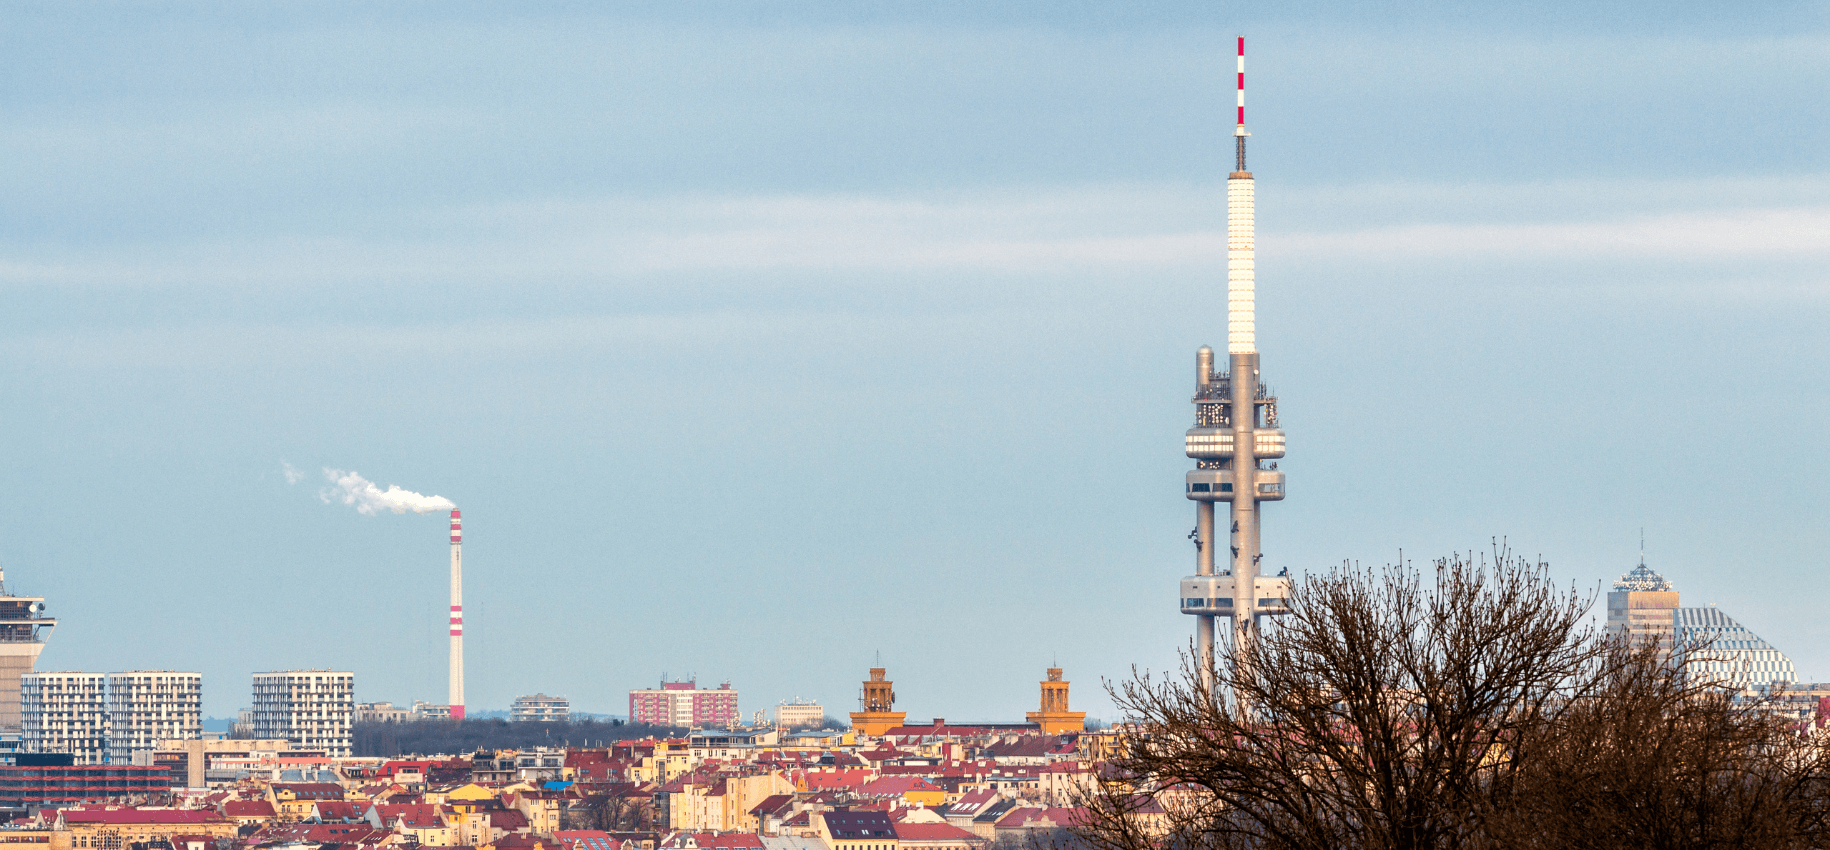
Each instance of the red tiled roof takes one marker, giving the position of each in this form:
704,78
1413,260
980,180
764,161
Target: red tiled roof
508,819
247,809
972,802
897,785
417,816
719,840
310,790
771,804
585,839
519,842
1026,818
318,833
124,816
932,832
341,809
818,780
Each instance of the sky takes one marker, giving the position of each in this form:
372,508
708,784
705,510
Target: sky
758,341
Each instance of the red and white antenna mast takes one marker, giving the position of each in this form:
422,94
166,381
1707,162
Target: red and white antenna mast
1241,295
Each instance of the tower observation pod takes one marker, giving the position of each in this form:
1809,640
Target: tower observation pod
1235,442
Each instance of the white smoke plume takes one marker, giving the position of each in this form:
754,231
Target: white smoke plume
369,500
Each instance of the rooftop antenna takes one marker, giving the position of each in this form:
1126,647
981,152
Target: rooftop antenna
1642,545
1239,132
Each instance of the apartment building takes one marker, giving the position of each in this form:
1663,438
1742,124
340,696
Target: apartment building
684,704
149,706
314,709
66,712
540,707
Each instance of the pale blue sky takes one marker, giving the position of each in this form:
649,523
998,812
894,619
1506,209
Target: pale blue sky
756,338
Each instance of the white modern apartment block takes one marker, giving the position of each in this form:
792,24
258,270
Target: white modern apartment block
540,707
795,715
382,712
66,712
149,706
314,709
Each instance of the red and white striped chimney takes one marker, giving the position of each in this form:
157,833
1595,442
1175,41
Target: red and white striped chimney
457,616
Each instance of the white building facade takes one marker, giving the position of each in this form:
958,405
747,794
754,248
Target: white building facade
1722,652
66,712
797,715
540,708
313,709
149,706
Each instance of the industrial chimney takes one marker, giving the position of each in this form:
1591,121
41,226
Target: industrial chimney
457,616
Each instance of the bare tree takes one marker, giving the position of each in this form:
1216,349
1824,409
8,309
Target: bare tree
1654,759
1379,712
1478,708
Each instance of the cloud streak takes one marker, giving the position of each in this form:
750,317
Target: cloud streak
621,241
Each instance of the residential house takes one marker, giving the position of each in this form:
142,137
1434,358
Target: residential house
857,830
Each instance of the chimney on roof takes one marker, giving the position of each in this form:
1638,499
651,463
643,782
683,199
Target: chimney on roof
939,722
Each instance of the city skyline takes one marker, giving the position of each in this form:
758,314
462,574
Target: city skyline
809,323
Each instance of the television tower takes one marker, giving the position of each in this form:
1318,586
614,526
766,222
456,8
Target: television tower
1235,434
23,631
457,616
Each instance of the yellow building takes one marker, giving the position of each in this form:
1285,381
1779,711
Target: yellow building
468,797
879,698
1054,718
914,790
857,830
293,800
541,808
117,829
37,839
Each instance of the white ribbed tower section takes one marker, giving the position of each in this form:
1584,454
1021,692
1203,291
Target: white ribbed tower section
457,616
1241,275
